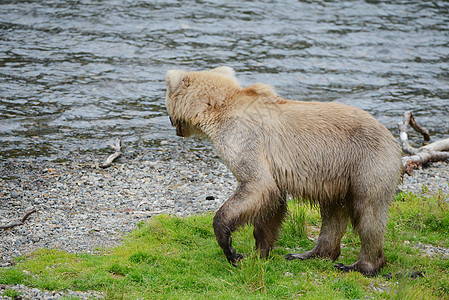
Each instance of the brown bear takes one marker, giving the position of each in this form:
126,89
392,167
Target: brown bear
336,156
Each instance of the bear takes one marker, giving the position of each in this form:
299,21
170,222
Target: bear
335,156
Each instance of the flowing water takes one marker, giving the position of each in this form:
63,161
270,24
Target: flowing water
76,74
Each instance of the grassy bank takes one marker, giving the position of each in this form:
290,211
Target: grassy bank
178,258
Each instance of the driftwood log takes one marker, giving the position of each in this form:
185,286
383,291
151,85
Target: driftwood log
20,221
117,147
436,151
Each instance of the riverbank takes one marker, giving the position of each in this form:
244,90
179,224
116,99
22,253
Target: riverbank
83,208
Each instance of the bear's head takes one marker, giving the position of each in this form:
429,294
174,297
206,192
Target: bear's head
195,99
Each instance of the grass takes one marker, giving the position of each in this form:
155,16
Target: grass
178,258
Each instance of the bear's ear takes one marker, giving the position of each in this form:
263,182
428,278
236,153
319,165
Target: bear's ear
225,71
173,79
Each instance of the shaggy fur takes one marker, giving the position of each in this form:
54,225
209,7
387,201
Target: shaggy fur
333,155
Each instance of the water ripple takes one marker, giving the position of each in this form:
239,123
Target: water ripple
74,74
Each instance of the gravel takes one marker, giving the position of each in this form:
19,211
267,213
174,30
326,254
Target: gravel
434,178
34,293
83,208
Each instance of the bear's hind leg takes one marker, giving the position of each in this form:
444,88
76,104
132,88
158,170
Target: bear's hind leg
335,219
266,228
369,221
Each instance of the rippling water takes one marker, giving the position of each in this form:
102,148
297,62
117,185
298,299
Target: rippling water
75,74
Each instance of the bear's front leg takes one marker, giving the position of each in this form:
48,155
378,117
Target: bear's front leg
223,233
266,227
250,202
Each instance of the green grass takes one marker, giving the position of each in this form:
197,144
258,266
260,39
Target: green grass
178,258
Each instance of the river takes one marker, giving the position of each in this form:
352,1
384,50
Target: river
76,74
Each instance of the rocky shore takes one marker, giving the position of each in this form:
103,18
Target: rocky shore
82,208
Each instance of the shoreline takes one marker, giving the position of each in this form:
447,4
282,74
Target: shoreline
83,208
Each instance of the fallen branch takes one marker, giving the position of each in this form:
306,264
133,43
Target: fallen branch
409,119
117,146
436,151
19,222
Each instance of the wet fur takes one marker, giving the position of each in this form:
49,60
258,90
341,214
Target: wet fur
335,156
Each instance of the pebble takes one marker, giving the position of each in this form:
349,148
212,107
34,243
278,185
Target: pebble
34,293
83,208
434,179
